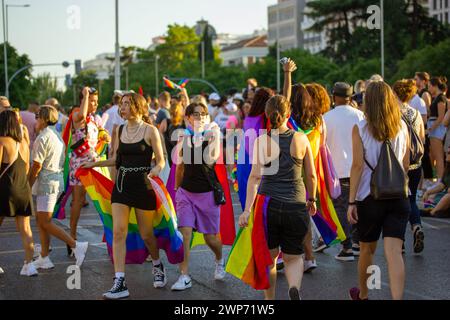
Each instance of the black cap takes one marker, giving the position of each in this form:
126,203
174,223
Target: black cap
342,89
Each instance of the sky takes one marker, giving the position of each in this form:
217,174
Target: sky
50,32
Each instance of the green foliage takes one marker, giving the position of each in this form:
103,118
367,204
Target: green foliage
20,89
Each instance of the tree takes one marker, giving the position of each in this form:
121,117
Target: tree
44,87
20,90
181,45
432,59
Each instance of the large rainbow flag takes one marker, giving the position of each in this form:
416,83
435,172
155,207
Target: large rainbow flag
250,259
244,166
169,238
326,219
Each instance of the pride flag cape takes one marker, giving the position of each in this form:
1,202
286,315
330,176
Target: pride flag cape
59,212
244,166
100,189
249,259
326,219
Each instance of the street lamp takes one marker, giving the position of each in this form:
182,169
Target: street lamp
65,64
117,58
13,6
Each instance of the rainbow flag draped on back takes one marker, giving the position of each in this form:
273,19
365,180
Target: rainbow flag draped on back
249,259
169,238
326,219
59,211
244,166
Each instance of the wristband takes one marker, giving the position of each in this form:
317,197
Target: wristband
352,203
312,200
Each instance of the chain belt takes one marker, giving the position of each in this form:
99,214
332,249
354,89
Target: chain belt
123,171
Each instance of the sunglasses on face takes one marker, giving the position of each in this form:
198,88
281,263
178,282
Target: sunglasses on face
200,114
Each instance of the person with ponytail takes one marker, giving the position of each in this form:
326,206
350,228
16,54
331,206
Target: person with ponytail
137,141
435,127
283,172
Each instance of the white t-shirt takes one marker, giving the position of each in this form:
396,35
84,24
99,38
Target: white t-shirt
372,150
419,104
339,123
111,117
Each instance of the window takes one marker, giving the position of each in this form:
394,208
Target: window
273,17
435,5
286,14
287,31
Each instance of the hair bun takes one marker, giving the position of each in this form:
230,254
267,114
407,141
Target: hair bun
444,79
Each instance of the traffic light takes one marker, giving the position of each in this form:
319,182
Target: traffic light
77,67
68,80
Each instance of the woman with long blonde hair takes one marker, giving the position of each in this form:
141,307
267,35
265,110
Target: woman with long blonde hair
383,123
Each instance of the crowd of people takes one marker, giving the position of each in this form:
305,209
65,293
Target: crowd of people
403,129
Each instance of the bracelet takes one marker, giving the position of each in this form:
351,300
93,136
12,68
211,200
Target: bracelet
312,200
352,203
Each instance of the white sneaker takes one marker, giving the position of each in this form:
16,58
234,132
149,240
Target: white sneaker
219,273
309,265
28,270
184,282
149,258
43,263
80,252
1,271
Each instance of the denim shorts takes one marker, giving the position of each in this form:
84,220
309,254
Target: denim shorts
439,132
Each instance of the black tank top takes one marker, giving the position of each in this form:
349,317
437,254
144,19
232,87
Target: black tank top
434,105
133,155
286,184
422,92
194,179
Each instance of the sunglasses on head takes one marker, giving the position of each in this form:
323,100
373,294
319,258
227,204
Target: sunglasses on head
92,90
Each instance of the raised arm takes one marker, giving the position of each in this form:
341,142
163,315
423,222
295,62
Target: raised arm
288,68
82,114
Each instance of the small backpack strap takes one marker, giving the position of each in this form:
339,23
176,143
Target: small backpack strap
11,162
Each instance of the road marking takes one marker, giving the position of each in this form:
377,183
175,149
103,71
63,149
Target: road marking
430,226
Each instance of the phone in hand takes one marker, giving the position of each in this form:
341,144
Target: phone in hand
284,60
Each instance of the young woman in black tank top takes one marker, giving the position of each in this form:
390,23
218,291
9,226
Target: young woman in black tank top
133,152
288,210
15,192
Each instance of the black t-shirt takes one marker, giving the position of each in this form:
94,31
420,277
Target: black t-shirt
194,179
434,105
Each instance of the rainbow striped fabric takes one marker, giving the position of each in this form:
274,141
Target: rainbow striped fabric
249,259
100,189
59,211
326,219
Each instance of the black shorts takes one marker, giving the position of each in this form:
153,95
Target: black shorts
287,226
387,216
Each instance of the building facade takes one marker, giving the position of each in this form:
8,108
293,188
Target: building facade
285,23
245,52
438,9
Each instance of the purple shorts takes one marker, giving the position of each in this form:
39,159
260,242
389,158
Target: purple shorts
198,211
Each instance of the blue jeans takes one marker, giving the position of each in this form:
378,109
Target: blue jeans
414,180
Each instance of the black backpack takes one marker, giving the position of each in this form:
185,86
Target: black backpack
416,147
389,180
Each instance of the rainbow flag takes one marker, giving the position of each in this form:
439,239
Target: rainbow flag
326,219
183,83
172,85
249,259
244,166
59,211
100,189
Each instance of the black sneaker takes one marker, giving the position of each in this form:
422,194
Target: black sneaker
159,276
280,264
403,248
119,290
294,294
70,252
355,249
345,256
419,237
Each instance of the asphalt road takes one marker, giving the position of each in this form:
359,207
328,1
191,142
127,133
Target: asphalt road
427,274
